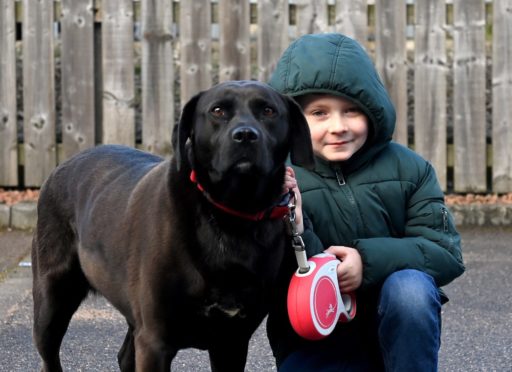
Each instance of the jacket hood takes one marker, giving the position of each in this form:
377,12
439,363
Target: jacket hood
336,64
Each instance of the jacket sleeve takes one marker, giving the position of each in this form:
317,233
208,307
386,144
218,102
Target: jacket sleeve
311,240
430,241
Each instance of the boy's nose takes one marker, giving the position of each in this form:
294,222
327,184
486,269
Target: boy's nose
338,124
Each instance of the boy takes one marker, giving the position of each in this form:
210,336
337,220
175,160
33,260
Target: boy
374,204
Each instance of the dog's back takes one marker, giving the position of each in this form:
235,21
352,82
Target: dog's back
90,172
78,207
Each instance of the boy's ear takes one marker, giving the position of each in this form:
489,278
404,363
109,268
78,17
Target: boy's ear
301,148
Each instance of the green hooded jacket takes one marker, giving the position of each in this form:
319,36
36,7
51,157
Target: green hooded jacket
385,201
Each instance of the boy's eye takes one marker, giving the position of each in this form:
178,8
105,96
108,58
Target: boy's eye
318,113
352,111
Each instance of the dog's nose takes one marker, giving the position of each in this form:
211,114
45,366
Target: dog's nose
245,134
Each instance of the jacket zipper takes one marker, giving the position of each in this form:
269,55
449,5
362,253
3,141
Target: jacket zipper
346,190
340,178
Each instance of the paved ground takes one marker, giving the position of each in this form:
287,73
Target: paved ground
477,322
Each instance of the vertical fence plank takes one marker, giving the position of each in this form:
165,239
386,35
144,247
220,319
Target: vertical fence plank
235,48
312,17
469,96
77,61
352,19
430,73
502,96
8,117
273,21
157,76
195,47
118,119
391,58
38,91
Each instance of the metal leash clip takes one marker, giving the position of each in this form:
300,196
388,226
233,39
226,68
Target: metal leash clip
297,243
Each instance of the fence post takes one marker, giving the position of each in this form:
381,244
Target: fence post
312,17
391,58
502,96
430,73
195,40
273,23
469,96
77,61
235,48
118,121
38,91
157,76
8,117
352,19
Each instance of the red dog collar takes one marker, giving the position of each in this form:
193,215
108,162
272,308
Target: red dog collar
278,211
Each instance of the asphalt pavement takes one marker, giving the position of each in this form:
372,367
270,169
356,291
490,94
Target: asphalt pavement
477,322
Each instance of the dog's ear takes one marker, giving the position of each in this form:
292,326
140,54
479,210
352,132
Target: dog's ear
183,129
301,149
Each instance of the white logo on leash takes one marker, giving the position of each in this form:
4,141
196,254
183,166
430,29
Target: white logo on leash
331,310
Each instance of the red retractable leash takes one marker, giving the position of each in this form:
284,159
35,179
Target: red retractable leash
315,303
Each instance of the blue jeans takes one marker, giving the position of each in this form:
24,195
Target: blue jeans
407,325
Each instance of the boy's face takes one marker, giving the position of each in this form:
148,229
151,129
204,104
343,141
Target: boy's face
338,127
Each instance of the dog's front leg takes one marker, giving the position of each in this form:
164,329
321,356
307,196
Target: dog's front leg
229,355
151,354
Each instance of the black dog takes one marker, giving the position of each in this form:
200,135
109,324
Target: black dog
188,250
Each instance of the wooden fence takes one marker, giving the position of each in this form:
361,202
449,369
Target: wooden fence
74,74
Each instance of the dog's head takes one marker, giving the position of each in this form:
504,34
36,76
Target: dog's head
239,134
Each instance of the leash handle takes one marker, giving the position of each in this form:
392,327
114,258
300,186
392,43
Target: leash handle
297,243
315,303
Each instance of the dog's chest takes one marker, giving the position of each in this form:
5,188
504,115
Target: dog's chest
236,264
232,292
237,278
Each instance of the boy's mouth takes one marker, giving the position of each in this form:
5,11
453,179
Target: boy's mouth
338,143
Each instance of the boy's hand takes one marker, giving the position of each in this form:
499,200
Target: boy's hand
290,183
350,270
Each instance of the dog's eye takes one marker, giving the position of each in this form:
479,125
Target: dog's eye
218,112
268,111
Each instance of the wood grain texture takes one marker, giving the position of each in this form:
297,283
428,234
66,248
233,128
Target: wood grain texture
157,76
195,48
502,96
8,111
391,59
118,94
38,91
77,60
430,84
469,96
